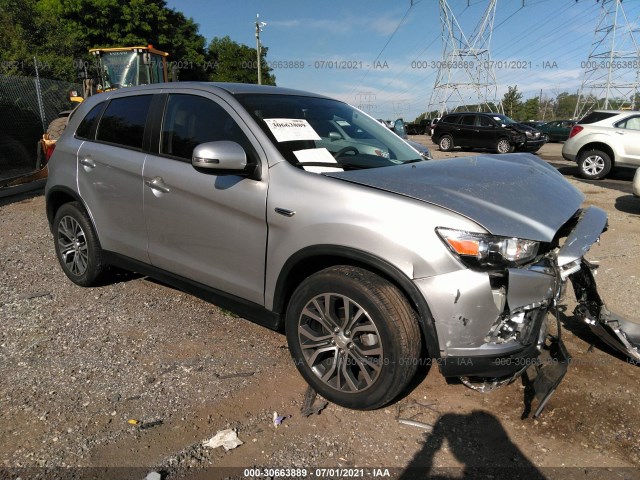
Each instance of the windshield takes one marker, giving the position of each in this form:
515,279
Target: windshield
122,69
319,131
503,119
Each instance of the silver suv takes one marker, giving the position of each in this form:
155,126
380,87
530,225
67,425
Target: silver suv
371,260
603,140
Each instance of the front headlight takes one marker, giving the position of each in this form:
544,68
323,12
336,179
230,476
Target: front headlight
529,134
484,250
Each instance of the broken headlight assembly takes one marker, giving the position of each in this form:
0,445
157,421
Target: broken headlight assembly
479,250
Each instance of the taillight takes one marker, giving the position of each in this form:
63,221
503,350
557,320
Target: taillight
49,151
575,130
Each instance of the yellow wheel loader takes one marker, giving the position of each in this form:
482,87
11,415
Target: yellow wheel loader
113,68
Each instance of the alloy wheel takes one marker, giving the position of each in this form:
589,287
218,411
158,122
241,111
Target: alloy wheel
73,245
340,343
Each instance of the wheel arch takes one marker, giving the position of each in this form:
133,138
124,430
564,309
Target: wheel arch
58,196
312,259
597,146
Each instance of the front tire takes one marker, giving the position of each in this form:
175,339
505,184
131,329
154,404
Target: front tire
77,246
504,146
594,164
353,337
446,143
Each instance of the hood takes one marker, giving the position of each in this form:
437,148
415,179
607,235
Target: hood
512,195
523,128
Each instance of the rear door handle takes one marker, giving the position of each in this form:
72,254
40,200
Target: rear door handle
87,162
157,183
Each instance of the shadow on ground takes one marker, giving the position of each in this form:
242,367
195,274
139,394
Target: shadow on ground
479,443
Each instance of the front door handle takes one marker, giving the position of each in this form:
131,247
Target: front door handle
87,162
157,183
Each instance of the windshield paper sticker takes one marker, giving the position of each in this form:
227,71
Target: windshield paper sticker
317,155
290,129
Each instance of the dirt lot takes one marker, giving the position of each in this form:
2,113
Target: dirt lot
77,364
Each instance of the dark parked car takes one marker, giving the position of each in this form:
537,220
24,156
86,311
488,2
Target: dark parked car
533,123
491,131
557,131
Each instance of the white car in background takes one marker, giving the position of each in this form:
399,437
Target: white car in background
602,140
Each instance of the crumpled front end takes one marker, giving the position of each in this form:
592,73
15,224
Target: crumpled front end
492,325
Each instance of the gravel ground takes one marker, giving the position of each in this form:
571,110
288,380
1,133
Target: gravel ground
79,366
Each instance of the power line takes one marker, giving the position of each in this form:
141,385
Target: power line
385,46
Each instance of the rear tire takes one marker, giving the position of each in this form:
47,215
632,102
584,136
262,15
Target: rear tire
77,246
594,164
353,337
446,143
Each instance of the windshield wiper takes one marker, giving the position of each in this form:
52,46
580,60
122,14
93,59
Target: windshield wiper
415,160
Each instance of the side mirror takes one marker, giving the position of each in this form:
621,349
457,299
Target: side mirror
333,136
224,156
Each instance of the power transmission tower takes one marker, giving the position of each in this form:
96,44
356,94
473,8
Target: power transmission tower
364,101
465,75
612,71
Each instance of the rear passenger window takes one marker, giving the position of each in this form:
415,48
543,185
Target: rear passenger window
632,123
484,121
190,120
123,121
84,129
468,120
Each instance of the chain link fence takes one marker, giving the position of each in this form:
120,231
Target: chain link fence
27,106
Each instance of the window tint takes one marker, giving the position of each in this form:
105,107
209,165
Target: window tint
123,121
631,123
451,119
484,121
596,117
190,120
84,129
468,120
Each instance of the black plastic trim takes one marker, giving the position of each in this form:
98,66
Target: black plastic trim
361,258
49,206
491,366
249,310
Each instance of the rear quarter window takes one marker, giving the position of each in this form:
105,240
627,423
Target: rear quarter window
594,117
84,130
450,119
123,121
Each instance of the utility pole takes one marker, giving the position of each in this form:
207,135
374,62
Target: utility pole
259,26
611,75
466,75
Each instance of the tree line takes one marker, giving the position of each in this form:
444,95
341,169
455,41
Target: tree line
562,107
59,33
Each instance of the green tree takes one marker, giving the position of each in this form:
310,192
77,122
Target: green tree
512,101
59,31
565,105
233,62
529,109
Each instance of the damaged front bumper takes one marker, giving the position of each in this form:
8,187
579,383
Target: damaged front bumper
620,334
492,326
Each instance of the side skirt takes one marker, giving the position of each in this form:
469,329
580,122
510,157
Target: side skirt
249,310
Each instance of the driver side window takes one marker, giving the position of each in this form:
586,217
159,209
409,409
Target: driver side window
190,120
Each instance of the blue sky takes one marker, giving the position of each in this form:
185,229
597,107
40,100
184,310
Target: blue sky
394,46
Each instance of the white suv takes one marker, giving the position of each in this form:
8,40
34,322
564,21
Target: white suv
602,140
